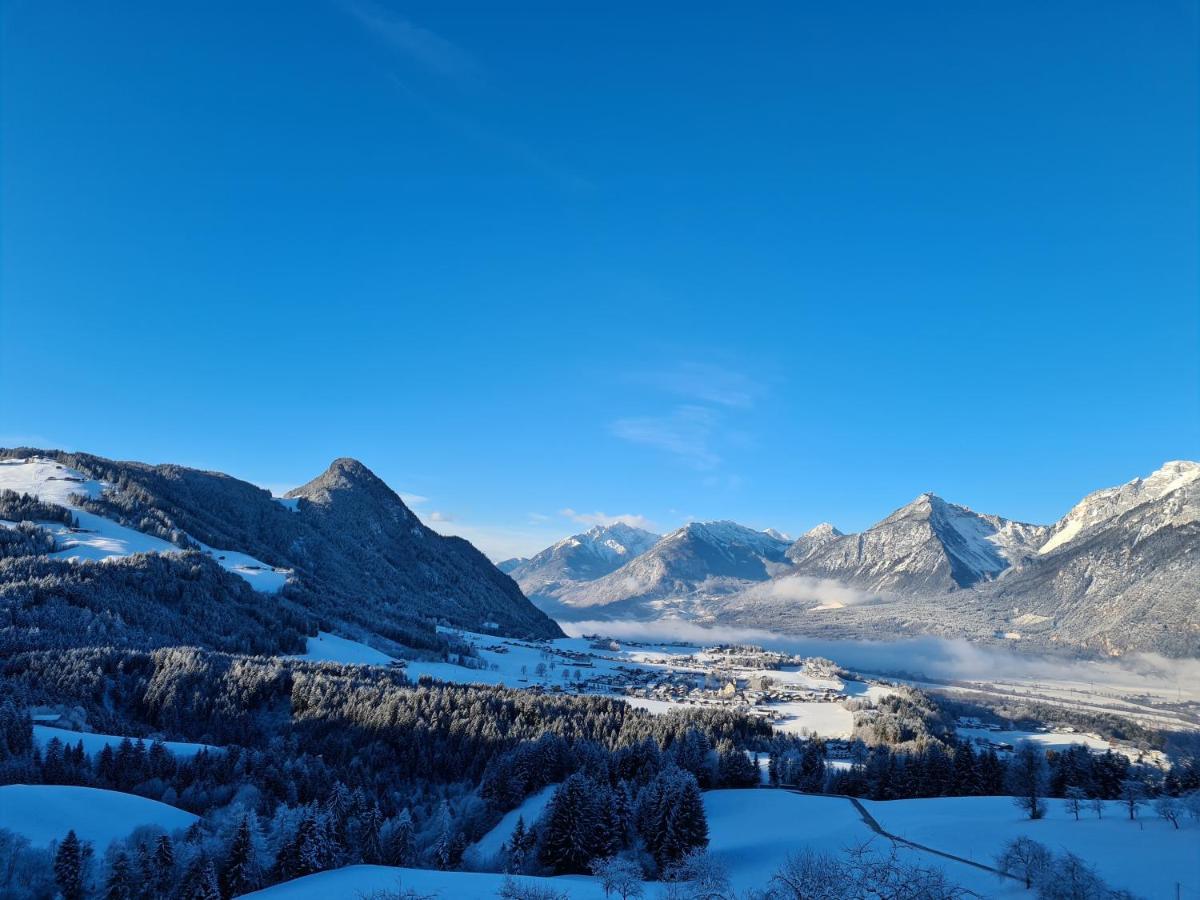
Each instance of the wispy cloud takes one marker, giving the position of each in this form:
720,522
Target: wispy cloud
686,432
439,517
707,383
494,142
599,518
428,50
413,499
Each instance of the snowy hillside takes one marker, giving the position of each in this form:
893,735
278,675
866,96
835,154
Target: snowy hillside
93,743
98,538
753,832
1147,857
343,548
45,813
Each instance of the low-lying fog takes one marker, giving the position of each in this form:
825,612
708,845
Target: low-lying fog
941,659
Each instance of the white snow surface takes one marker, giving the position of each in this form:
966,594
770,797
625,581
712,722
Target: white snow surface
94,743
751,832
361,881
1100,506
1147,856
44,813
97,538
1046,740
326,647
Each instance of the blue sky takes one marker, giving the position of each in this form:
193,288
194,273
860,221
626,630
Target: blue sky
540,265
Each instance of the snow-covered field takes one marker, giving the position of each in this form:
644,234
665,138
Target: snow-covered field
1147,857
326,647
362,881
1047,740
98,538
45,813
94,743
751,832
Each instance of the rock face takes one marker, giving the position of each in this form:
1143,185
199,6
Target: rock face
928,546
357,554
1120,572
691,564
1125,577
581,557
811,541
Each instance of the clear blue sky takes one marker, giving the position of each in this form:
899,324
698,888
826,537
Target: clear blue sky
779,263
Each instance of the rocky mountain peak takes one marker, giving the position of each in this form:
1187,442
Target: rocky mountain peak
345,476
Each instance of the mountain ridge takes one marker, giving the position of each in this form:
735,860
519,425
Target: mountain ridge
355,552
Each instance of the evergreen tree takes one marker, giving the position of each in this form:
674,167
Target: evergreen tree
443,849
398,846
164,865
568,827
119,885
200,882
370,840
313,852
517,846
69,862
241,873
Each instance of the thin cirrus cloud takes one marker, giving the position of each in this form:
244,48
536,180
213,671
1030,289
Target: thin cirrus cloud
716,399
687,433
426,49
448,63
706,383
600,518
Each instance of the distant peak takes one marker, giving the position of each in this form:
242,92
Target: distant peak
825,529
349,467
343,474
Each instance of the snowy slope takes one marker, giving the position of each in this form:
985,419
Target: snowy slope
484,850
364,881
812,540
687,566
754,831
1104,505
580,557
1147,857
326,647
94,743
45,813
98,538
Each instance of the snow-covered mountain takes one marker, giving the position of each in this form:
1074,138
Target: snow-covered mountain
692,563
926,546
341,549
1120,572
581,557
1124,576
1099,508
811,541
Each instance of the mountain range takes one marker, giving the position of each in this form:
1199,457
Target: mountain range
341,551
204,557
1119,572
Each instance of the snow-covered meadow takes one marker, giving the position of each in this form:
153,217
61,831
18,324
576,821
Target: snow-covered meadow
94,743
45,813
752,833
1147,856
